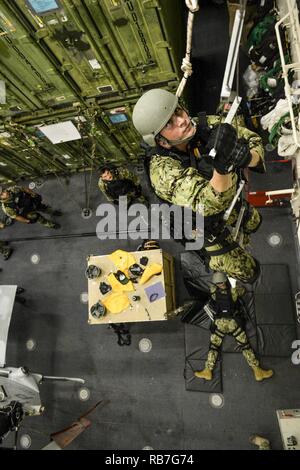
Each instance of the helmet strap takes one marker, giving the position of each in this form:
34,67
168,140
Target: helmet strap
183,141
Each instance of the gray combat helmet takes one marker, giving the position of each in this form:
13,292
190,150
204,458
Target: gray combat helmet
152,112
219,278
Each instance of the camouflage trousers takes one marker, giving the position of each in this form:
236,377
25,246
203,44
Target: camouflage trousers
237,263
5,221
40,219
264,446
228,326
4,250
135,197
252,221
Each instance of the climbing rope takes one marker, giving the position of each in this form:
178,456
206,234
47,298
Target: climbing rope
93,153
186,66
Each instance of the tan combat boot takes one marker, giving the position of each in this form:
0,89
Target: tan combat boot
261,374
261,442
203,374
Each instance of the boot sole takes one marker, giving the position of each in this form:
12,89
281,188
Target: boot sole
263,378
204,378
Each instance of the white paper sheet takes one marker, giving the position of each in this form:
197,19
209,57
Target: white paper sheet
61,132
7,299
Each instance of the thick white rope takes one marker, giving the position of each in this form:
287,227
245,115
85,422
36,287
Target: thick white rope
192,5
186,66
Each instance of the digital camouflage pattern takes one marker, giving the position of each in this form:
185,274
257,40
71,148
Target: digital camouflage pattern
9,207
5,221
5,251
237,263
40,219
186,187
122,174
2,248
252,222
227,326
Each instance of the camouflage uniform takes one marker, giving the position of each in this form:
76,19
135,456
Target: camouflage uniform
176,181
12,207
5,221
265,445
4,250
229,326
133,196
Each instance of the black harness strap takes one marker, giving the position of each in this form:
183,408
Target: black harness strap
219,333
214,347
237,332
215,230
22,203
223,250
245,346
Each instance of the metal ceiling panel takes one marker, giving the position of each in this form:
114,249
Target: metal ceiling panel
86,58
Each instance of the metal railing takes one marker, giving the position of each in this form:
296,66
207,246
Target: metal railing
290,19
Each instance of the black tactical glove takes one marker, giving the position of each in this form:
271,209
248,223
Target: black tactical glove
223,139
241,156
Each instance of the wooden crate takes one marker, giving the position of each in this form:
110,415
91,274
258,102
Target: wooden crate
289,424
169,277
138,311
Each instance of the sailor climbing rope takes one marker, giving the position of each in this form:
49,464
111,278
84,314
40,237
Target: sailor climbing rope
182,171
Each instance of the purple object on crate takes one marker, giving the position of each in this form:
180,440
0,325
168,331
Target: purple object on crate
155,292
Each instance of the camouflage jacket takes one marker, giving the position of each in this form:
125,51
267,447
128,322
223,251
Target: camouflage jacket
236,292
10,207
119,174
185,186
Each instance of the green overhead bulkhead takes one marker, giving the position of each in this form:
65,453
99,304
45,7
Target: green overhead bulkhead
24,148
90,58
